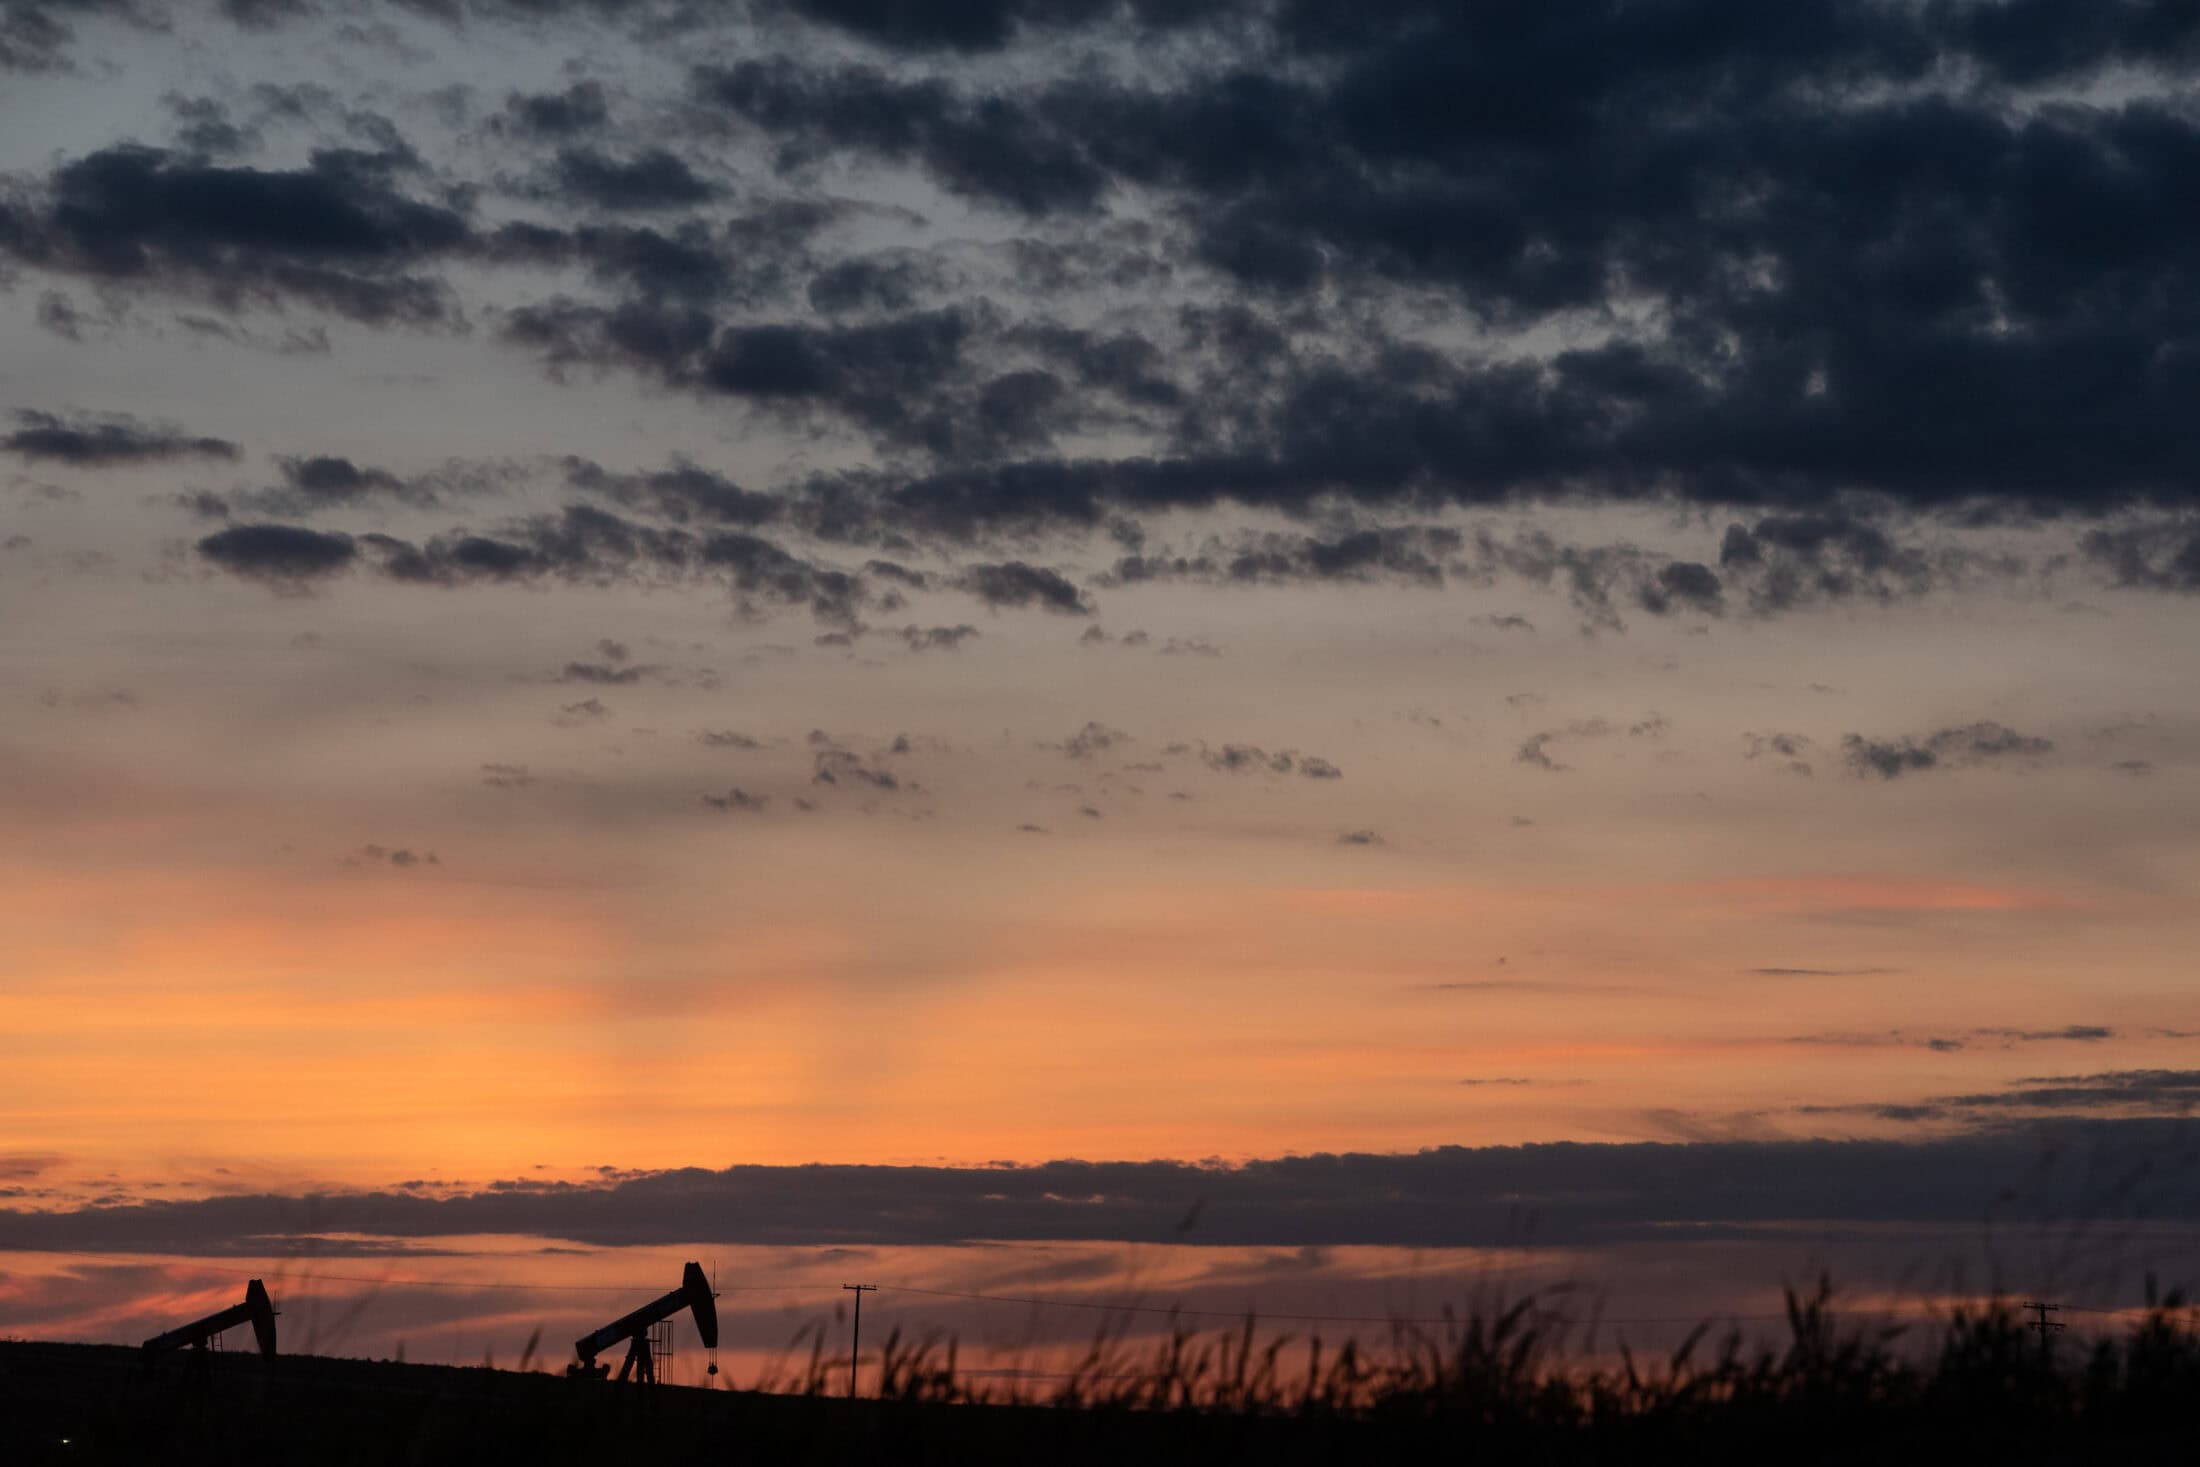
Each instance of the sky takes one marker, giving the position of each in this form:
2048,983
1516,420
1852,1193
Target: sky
1164,625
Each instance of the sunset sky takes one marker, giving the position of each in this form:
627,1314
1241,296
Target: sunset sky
593,594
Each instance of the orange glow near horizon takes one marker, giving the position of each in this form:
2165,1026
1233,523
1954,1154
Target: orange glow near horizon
349,1033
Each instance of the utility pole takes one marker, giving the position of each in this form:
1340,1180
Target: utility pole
855,1335
2040,1322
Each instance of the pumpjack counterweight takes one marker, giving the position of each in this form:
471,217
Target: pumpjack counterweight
693,1295
257,1310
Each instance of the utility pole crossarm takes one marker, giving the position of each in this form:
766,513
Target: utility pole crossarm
2046,1328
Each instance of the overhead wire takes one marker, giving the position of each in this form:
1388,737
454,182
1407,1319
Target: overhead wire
1098,1306
1717,1317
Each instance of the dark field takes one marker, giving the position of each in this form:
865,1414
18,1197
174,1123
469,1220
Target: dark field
1491,1391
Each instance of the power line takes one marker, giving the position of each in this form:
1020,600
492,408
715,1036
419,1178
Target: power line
1291,1318
1035,1301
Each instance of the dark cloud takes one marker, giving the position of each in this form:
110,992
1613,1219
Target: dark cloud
975,26
1364,838
1252,759
204,127
832,763
1577,1193
1821,972
37,35
284,557
325,481
325,477
1411,554
59,315
1868,270
737,801
2171,1091
714,738
337,234
2154,555
1683,584
2003,1038
1784,562
651,179
670,272
581,545
99,441
759,569
1824,271
900,575
684,493
986,148
1600,580
2078,1033
1850,263
909,381
580,108
1950,748
604,674
1013,583
926,639
882,284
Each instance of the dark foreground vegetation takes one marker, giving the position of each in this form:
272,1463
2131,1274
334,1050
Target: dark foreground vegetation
1494,1389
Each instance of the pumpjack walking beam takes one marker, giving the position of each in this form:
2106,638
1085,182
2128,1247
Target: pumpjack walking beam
693,1295
257,1309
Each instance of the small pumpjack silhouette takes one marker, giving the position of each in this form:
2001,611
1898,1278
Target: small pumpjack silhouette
198,1335
693,1295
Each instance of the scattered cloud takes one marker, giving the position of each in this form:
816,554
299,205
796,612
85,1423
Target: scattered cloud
1535,750
1013,583
1094,739
1820,972
928,639
1950,748
574,715
402,858
106,440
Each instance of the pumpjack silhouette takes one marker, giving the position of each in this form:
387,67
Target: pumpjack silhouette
693,1295
202,1336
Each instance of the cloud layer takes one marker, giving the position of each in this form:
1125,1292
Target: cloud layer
1560,1195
